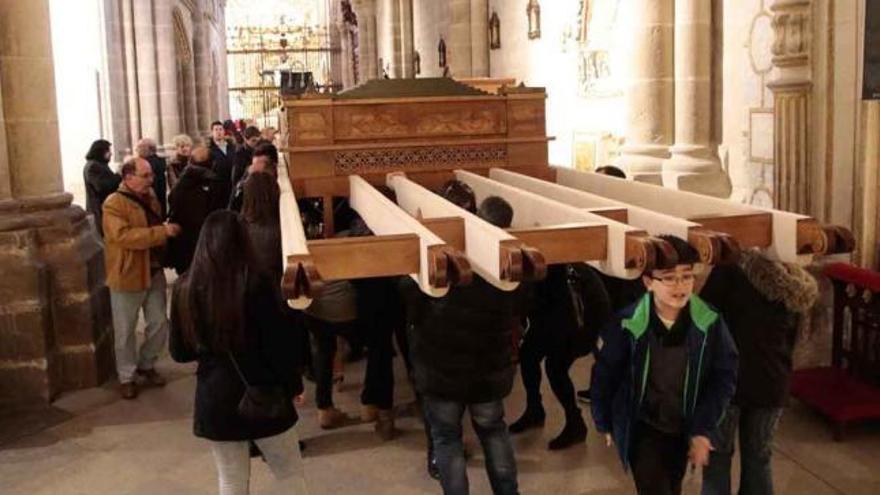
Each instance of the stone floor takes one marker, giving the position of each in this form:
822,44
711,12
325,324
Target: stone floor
90,442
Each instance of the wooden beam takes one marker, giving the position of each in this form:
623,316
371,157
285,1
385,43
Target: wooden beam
301,281
790,237
439,265
450,229
713,247
622,259
487,247
363,257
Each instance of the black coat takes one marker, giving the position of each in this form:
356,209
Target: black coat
222,167
241,161
765,332
100,182
269,358
462,344
195,196
157,163
568,309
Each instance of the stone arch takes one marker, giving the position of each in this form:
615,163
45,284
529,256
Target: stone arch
186,80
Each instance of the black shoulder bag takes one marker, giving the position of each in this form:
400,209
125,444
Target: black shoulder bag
263,402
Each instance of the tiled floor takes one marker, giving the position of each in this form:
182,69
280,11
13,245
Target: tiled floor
102,445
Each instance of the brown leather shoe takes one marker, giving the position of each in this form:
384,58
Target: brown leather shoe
385,424
128,390
151,378
331,418
369,413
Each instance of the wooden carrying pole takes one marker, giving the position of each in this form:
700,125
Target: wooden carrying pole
498,257
785,236
615,248
714,247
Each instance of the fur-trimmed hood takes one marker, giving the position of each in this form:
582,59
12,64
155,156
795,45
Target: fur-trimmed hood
783,282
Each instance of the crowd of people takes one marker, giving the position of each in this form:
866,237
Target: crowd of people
687,358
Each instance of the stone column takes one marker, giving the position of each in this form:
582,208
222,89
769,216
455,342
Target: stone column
147,74
368,63
479,38
115,101
202,64
458,44
650,95
407,44
55,331
694,165
169,103
129,41
792,24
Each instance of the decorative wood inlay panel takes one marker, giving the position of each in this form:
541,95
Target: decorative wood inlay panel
424,120
405,159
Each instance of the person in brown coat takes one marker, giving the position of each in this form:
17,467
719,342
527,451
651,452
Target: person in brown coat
134,236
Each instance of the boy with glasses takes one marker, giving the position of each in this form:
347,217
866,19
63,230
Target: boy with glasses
663,378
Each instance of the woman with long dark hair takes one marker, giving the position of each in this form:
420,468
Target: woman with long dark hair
99,180
226,314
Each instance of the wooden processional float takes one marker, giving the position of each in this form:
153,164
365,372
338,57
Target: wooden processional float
413,135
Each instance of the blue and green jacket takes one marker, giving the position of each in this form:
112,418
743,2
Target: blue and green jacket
620,375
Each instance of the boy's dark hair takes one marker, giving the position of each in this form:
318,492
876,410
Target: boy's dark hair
217,122
251,132
496,211
687,255
459,194
268,150
612,171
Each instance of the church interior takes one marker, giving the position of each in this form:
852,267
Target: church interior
742,127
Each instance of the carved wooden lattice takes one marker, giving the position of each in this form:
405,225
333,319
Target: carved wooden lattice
403,159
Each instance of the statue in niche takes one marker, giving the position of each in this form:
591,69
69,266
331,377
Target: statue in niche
441,51
596,23
533,10
494,31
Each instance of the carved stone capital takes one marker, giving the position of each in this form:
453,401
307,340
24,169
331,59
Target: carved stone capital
792,25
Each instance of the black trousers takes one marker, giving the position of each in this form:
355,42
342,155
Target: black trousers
379,378
324,335
537,347
658,461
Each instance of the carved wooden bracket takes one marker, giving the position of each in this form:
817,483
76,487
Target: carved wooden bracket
301,279
838,239
715,248
521,263
644,252
448,267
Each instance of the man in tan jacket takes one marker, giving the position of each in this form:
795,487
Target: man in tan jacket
135,235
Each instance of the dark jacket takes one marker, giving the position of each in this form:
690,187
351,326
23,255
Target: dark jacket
100,182
461,344
157,163
222,167
569,307
241,161
175,168
620,374
197,194
267,359
763,304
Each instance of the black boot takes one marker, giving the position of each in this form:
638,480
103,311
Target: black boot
574,432
533,417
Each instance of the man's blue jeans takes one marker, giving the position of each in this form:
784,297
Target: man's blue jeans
444,417
756,427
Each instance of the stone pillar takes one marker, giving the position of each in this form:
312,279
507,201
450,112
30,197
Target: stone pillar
170,110
407,44
202,64
694,165
458,44
131,73
792,110
147,73
650,95
55,331
479,38
115,101
368,63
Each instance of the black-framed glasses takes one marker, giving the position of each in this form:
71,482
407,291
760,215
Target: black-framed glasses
673,280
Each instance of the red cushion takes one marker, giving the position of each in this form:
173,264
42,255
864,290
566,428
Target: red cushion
845,272
836,394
